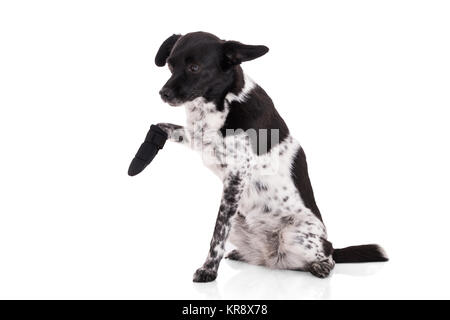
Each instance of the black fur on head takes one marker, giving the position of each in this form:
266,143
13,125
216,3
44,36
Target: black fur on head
203,65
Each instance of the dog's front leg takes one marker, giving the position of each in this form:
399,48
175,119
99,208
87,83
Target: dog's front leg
175,133
233,186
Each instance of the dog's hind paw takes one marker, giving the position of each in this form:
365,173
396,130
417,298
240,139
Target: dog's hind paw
234,255
321,269
204,275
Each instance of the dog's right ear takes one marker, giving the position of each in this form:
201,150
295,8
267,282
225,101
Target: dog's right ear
165,49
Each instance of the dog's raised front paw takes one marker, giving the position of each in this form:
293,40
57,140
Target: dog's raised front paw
204,275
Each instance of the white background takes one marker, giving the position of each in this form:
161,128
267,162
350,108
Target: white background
363,85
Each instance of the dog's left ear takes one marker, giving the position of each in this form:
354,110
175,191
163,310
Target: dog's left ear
236,52
165,49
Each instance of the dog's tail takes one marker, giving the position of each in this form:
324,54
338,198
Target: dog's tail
362,253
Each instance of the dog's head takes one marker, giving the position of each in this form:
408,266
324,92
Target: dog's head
202,65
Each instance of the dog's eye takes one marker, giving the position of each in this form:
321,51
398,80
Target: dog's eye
194,68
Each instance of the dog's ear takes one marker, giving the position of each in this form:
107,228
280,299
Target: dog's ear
165,49
236,52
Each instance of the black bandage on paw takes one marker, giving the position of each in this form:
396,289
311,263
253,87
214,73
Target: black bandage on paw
155,140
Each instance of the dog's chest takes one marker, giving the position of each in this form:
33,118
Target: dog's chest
219,153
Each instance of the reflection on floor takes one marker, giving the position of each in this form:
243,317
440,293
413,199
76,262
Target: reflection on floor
253,282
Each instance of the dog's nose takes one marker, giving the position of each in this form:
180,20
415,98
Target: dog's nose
166,94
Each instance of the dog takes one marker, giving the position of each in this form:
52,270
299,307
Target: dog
268,210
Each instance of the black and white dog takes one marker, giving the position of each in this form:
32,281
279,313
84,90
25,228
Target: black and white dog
268,210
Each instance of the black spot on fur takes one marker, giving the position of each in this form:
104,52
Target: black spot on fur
260,186
327,247
300,176
257,112
213,254
232,188
287,219
300,239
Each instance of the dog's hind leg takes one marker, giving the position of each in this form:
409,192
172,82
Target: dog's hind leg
301,245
